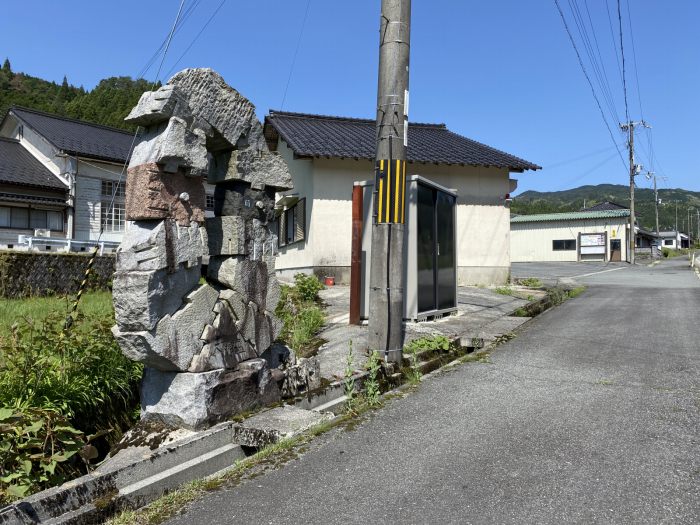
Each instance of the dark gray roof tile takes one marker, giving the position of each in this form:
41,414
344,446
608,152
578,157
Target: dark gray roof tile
18,166
340,137
77,137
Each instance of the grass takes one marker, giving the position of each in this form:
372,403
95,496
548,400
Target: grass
93,305
531,282
504,290
576,291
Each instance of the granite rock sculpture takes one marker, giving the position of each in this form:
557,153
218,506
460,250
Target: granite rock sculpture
202,342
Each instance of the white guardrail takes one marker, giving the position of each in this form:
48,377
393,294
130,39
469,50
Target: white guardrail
65,245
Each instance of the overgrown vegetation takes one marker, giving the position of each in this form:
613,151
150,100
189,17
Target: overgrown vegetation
670,253
349,380
107,104
530,282
372,387
58,392
301,314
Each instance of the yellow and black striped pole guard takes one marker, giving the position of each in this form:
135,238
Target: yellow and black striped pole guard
391,191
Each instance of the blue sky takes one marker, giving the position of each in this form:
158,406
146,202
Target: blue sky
499,71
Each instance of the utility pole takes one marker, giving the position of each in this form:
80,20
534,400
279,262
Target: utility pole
386,271
651,174
697,224
629,127
676,220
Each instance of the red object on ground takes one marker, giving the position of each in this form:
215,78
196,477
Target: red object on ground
330,281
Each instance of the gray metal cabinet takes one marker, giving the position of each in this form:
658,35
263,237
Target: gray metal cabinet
430,265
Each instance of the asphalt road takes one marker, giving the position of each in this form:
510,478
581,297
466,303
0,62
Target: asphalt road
590,415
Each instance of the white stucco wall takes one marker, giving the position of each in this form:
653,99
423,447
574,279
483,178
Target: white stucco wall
532,241
298,257
483,220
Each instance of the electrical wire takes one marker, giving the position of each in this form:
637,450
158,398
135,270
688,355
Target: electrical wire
598,68
183,20
587,172
584,156
622,53
296,51
614,41
194,40
585,73
170,38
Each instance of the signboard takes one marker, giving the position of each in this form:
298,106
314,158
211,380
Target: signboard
592,239
593,244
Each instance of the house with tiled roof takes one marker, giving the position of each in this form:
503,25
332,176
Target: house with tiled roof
326,155
61,178
80,162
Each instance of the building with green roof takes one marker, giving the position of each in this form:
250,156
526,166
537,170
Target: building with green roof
588,235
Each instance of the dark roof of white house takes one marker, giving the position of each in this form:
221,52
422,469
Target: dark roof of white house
77,137
18,166
341,137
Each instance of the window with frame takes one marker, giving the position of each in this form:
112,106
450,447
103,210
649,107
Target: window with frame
209,204
564,244
30,219
113,208
668,242
292,224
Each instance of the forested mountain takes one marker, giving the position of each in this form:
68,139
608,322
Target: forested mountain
530,202
108,103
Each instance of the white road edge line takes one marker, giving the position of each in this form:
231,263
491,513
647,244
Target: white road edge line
602,271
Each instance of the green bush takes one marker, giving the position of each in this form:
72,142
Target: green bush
38,449
305,326
307,287
54,385
300,312
433,342
81,374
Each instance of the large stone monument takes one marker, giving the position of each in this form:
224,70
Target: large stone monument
203,341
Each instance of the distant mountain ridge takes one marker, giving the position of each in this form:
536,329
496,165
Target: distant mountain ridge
530,202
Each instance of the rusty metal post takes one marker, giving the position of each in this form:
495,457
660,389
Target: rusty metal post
356,255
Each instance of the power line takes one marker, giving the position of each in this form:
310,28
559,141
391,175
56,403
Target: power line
622,53
206,24
612,36
585,73
639,94
587,172
296,51
588,48
598,65
584,156
170,38
183,20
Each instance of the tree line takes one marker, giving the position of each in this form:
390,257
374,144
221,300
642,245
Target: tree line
107,104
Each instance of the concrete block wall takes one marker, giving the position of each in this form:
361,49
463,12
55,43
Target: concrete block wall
24,274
